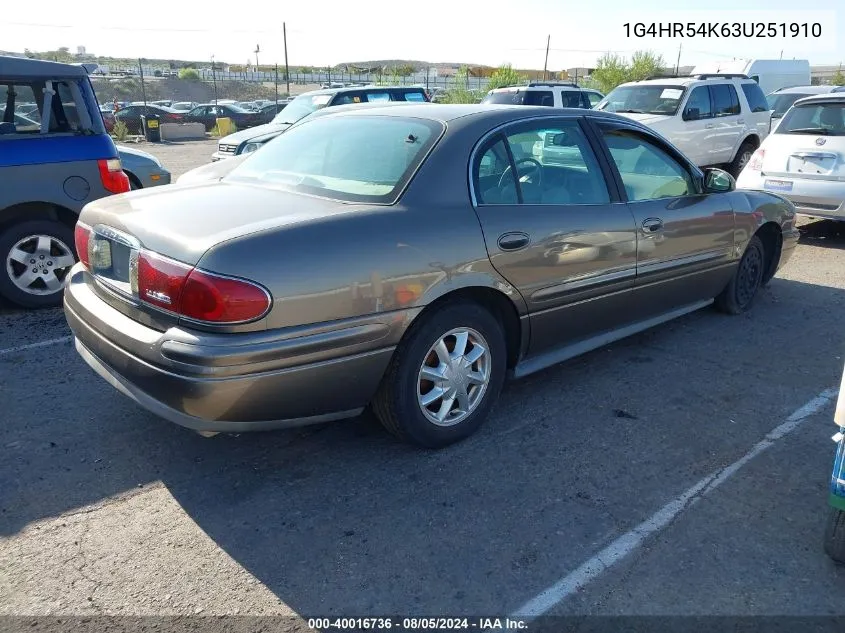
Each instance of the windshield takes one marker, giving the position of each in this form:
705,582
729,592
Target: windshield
780,103
650,99
817,119
302,106
354,159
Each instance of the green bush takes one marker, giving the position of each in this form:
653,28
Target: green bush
504,76
189,74
120,131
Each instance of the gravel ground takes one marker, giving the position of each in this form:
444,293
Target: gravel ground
180,156
105,509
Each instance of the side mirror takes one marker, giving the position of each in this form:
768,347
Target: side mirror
692,114
718,181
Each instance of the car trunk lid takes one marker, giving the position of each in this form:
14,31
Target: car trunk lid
805,156
184,222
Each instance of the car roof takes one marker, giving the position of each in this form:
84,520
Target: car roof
810,90
13,67
831,97
333,91
685,81
444,113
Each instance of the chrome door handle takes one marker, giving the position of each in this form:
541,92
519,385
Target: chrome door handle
652,225
513,241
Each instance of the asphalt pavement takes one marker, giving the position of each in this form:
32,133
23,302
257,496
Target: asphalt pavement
106,509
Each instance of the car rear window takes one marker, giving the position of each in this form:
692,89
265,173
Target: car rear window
22,104
780,103
348,158
823,119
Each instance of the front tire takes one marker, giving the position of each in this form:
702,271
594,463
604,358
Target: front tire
36,257
740,292
445,376
834,535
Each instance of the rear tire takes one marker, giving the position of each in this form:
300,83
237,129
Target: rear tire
740,292
407,402
743,155
36,280
834,535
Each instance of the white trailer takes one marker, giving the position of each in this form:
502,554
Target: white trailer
771,74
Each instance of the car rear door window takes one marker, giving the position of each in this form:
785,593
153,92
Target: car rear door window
22,104
647,170
725,100
555,165
539,98
571,99
755,97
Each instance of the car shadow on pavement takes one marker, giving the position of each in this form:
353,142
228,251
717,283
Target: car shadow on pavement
340,519
826,233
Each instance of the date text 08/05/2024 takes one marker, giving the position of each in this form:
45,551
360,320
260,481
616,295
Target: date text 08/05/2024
417,624
723,29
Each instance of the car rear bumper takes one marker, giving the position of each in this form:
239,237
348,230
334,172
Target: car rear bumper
232,382
816,198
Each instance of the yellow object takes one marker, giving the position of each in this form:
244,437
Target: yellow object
152,124
224,126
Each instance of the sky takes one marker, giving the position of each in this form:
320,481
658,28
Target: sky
328,32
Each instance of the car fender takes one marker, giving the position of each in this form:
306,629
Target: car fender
753,209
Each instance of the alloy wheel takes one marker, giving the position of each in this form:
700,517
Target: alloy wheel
454,376
38,264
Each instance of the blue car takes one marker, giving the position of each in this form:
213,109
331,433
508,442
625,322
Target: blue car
834,538
53,161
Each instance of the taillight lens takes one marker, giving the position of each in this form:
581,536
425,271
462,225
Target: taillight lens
160,280
196,294
207,297
756,162
112,176
81,237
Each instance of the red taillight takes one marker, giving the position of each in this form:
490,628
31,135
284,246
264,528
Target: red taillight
198,295
207,297
756,162
81,237
160,280
112,176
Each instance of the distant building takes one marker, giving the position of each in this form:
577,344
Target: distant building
80,50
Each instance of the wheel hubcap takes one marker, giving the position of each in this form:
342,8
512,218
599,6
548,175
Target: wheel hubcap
743,160
750,275
454,376
38,264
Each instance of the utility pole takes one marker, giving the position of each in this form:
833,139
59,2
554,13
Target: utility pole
214,79
143,89
781,54
257,50
546,63
287,73
678,63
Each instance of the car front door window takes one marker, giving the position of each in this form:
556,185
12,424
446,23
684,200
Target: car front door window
647,171
555,165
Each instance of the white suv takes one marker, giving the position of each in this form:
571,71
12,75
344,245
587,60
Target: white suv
554,94
713,119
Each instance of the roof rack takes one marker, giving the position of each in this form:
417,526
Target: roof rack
664,77
569,84
720,76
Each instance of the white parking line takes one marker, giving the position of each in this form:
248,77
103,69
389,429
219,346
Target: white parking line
23,348
632,540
